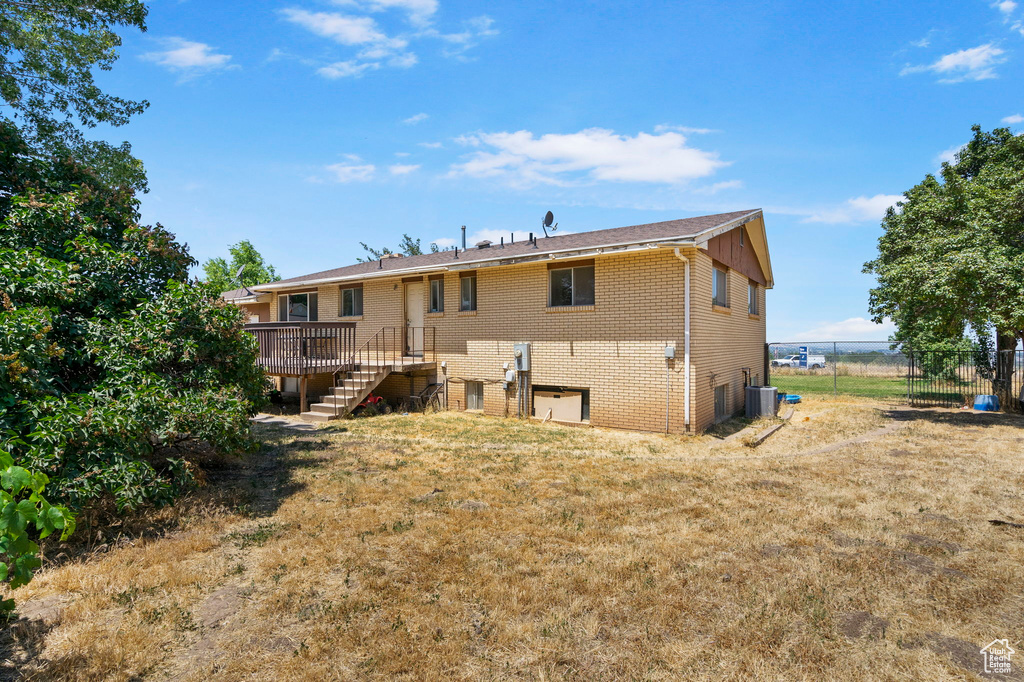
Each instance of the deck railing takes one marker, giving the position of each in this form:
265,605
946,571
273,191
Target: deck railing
303,348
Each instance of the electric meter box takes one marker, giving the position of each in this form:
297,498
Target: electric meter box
521,351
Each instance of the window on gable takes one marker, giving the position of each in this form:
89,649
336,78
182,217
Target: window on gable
437,295
571,286
351,302
720,287
467,292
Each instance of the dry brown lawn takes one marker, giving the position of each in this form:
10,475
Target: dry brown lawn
850,545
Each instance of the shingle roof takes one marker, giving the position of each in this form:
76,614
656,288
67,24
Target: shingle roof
683,228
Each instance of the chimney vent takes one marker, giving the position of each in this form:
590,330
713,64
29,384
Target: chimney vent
484,244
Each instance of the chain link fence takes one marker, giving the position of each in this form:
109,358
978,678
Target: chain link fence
870,369
873,369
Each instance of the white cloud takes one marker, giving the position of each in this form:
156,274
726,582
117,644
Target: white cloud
376,48
973,64
1013,120
856,210
413,120
352,172
338,27
1006,6
718,187
923,42
347,69
686,130
430,145
949,155
851,329
445,242
403,169
591,155
189,58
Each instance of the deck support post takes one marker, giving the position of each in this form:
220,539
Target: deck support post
303,406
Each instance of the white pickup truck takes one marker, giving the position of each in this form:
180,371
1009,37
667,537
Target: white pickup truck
813,361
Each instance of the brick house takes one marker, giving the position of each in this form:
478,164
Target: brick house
609,319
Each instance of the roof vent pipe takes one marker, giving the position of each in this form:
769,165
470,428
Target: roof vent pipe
463,237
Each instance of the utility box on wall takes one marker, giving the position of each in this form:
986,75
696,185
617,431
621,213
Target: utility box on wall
521,351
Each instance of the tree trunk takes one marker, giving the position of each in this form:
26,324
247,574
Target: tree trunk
1002,383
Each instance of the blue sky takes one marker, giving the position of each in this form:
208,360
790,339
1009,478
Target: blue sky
308,126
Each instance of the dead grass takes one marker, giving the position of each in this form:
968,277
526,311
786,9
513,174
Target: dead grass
452,546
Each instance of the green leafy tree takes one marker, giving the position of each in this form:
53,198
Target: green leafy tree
407,247
220,273
111,362
49,50
950,260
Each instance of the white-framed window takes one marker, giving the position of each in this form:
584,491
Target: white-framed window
437,295
571,286
467,292
720,286
474,395
752,302
351,302
297,307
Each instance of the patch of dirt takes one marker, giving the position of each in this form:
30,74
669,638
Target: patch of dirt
220,606
899,453
768,484
961,653
862,625
923,564
46,610
932,543
473,505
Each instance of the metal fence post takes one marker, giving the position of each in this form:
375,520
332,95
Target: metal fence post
835,365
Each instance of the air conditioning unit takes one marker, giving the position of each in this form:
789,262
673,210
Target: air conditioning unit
521,352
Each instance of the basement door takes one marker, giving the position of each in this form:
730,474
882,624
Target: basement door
414,292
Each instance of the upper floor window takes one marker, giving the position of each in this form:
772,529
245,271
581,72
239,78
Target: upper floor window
437,294
720,286
297,307
467,292
351,302
752,302
573,285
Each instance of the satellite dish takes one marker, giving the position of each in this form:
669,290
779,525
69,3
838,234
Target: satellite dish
549,217
238,275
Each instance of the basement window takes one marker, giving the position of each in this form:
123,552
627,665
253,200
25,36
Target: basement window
721,403
571,286
474,395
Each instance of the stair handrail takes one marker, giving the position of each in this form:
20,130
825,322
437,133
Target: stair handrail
358,353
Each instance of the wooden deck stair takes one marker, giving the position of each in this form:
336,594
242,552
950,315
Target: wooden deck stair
344,398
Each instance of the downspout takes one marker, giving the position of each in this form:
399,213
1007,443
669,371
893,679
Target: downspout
686,338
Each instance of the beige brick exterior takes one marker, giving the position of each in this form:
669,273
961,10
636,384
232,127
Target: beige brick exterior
615,348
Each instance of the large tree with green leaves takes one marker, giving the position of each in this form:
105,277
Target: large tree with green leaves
111,361
221,273
951,260
49,50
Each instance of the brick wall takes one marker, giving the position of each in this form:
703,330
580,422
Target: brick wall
614,348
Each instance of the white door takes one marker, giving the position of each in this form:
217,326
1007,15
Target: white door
414,318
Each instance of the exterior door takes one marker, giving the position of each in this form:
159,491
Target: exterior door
414,292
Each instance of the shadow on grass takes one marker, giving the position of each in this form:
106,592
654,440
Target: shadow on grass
955,417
